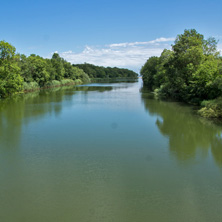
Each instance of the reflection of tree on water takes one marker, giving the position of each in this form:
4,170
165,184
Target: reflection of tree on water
99,88
24,108
114,80
216,149
87,89
186,132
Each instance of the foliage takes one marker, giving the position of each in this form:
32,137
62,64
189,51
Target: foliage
34,69
102,72
211,108
53,83
67,82
10,79
57,64
29,86
149,71
18,72
190,72
78,82
64,82
7,53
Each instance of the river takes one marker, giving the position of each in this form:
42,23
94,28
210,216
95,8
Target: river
107,152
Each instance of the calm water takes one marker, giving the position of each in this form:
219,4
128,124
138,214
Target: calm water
107,152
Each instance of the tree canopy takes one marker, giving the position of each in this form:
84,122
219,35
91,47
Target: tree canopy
106,72
17,71
10,78
190,72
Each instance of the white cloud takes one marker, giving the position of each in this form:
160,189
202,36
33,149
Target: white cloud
219,47
130,55
153,42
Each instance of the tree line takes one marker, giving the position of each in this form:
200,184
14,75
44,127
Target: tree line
106,72
191,72
19,72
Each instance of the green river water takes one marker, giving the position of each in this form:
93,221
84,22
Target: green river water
107,152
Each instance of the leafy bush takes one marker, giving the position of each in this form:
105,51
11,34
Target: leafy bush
30,86
78,82
53,83
211,108
67,82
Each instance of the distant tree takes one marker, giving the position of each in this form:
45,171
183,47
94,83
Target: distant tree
106,72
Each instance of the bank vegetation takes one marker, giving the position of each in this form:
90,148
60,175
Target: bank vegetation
190,72
21,73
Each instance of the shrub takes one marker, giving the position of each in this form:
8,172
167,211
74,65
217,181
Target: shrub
211,108
30,86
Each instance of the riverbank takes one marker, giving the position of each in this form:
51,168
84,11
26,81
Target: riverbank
190,72
118,79
34,86
211,108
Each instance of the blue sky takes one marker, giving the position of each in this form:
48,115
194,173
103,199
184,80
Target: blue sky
105,32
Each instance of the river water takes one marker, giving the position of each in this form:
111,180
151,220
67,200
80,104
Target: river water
107,152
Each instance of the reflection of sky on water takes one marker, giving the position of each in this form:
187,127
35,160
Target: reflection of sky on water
95,153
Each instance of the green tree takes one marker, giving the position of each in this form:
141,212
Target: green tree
148,72
10,79
106,72
191,72
57,63
34,68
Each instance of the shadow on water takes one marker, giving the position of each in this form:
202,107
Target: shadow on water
189,135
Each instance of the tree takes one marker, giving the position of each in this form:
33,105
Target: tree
10,79
148,72
57,63
7,52
108,72
37,67
193,67
191,72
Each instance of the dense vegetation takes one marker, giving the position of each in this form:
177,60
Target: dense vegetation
102,72
191,72
20,73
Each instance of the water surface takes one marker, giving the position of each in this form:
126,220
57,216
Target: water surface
107,152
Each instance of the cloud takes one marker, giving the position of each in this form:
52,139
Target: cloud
153,42
130,55
217,37
219,47
220,51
